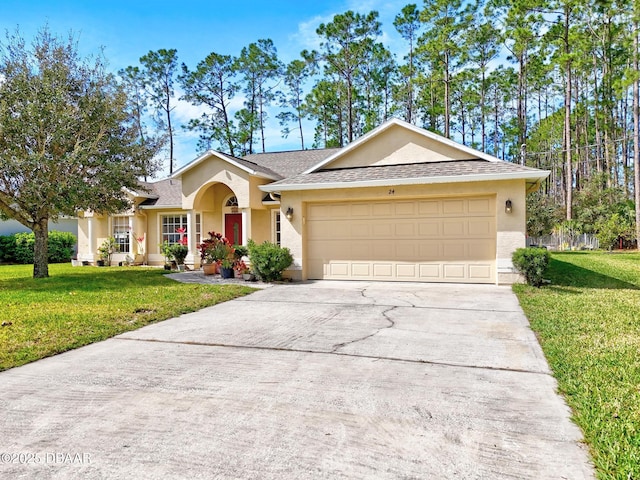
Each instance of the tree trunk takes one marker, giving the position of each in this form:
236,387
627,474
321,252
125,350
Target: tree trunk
567,121
41,251
170,130
636,132
447,100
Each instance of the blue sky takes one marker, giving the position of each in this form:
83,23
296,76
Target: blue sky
129,29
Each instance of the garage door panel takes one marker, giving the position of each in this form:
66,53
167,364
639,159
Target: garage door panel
480,272
453,228
450,207
481,228
433,240
405,229
429,208
430,271
480,206
383,270
454,251
361,270
406,270
382,209
405,208
429,228
454,271
382,230
430,250
360,210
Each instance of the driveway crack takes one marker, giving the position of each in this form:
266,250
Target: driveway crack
386,316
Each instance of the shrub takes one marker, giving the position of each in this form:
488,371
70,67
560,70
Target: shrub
532,263
25,245
269,260
61,246
7,248
179,252
19,247
240,251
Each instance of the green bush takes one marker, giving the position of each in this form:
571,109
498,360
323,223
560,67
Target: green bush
19,247
61,246
25,244
240,251
532,263
7,248
179,252
268,260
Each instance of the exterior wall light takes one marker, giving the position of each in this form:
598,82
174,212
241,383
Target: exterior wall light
289,213
508,207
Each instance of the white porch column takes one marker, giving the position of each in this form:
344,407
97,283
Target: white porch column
90,239
193,255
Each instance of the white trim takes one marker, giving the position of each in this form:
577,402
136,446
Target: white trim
158,207
396,121
274,238
388,182
245,213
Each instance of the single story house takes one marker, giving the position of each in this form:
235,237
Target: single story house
398,204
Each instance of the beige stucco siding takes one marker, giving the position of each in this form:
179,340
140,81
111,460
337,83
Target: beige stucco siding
396,146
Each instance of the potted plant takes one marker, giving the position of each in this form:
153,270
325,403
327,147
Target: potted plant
165,249
213,251
179,253
244,271
226,267
108,247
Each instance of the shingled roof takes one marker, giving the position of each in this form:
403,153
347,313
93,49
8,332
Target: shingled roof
290,163
429,172
163,193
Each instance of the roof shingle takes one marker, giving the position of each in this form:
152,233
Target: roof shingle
288,164
458,168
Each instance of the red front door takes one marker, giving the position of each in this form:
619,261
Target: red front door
233,228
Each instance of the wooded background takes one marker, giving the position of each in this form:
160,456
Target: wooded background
551,84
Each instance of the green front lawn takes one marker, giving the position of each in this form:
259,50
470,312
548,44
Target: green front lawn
588,323
80,305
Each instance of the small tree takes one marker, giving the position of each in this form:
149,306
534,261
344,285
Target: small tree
68,141
611,230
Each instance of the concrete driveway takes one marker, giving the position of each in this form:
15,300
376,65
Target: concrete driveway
317,380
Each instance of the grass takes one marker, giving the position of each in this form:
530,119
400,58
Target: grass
77,306
588,323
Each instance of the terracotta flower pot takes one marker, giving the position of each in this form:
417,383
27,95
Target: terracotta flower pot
209,268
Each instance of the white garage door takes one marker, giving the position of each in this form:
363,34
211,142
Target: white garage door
429,240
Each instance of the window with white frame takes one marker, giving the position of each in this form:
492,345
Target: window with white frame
121,231
174,227
276,227
198,229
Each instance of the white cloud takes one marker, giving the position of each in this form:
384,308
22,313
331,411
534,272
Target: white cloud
306,38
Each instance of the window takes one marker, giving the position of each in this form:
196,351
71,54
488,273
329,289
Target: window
122,233
198,229
276,227
232,202
170,225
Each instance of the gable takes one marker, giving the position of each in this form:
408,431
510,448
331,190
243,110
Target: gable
214,170
397,145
